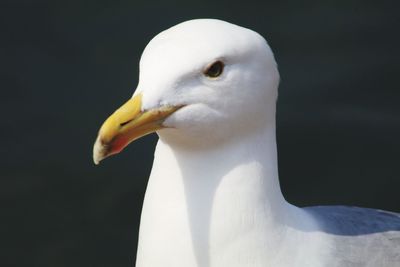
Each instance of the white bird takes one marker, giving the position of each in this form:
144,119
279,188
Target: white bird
209,89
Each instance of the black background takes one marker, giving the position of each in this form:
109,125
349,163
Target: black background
65,66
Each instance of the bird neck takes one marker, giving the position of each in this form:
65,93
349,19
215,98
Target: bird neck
217,197
241,175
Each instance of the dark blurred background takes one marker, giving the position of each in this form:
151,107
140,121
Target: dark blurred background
66,65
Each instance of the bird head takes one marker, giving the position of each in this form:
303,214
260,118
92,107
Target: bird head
202,83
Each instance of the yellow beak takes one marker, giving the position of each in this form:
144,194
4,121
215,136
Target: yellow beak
127,124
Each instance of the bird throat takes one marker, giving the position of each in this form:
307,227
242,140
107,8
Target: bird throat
204,204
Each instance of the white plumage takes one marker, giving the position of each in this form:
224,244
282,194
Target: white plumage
213,197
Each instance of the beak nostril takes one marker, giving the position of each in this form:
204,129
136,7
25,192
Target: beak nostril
125,123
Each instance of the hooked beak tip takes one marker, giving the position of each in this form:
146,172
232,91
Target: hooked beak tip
99,151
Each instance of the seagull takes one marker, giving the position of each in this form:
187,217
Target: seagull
209,88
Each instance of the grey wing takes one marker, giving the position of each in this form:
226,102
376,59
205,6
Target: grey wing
361,236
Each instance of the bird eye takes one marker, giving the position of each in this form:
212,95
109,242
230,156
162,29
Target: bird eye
214,70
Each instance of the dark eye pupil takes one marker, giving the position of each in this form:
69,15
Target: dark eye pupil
215,69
